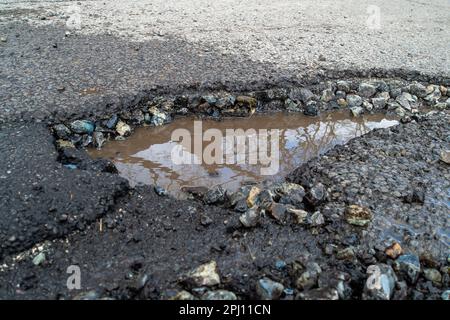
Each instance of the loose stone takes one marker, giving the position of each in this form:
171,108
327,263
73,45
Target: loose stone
316,219
356,111
82,126
380,283
267,289
308,279
219,295
253,196
311,108
346,254
343,86
62,132
158,117
216,195
367,90
319,294
354,100
183,295
432,275
400,112
406,100
358,216
204,275
39,259
418,89
316,195
62,144
434,96
299,216
408,265
112,122
160,191
394,251
250,218
123,129
278,212
327,95
99,139
445,156
342,103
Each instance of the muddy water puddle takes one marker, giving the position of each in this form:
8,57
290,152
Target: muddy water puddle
151,155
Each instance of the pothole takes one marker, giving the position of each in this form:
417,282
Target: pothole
146,157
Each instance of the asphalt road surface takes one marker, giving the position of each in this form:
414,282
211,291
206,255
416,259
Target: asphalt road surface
119,48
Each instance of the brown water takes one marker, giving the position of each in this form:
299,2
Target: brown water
145,157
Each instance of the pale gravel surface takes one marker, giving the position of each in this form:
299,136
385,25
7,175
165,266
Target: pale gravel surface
288,33
127,47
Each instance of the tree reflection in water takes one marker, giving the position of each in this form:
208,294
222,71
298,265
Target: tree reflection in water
145,157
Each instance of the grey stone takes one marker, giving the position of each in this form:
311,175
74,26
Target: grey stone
407,101
379,103
400,112
299,215
82,126
440,106
346,254
204,275
216,195
319,294
250,218
367,90
301,94
357,215
445,295
123,129
380,283
90,295
61,131
160,191
267,289
219,295
311,108
99,139
392,105
432,275
354,100
408,265
158,117
434,96
445,156
265,199
183,295
394,93
39,259
316,219
112,122
308,279
343,86
418,89
290,193
340,94
316,195
367,106
356,111
327,95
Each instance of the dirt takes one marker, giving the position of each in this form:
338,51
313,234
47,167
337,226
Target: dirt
145,246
